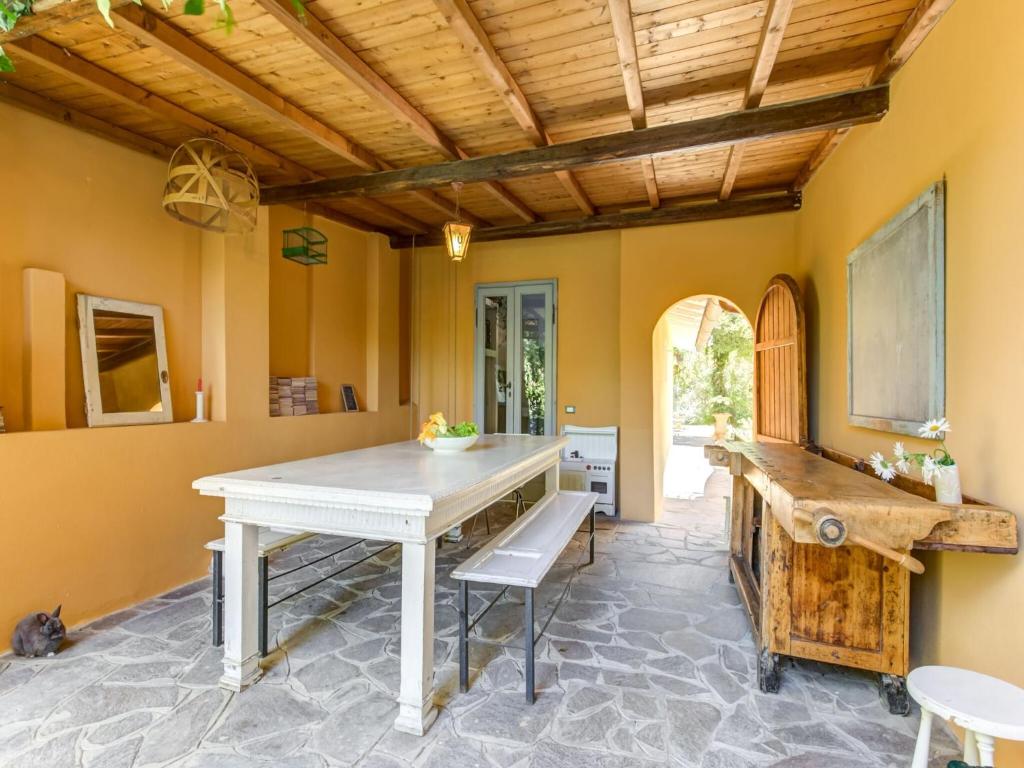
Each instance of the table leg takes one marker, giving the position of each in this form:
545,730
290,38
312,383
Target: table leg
551,479
986,749
970,748
241,608
924,737
416,700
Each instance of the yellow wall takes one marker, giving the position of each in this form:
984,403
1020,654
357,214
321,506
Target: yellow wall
112,508
318,316
956,112
613,288
91,211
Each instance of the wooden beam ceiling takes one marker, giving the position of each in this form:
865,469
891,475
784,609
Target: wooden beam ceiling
315,34
464,23
822,113
774,29
48,14
154,31
81,71
621,14
40,105
718,209
915,29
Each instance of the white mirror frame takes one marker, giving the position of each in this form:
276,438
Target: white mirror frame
95,415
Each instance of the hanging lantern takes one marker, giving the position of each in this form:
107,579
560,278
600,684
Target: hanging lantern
456,233
211,186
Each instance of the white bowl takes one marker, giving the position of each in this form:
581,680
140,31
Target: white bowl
451,444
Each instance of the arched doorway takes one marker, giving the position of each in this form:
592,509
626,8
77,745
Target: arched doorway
703,349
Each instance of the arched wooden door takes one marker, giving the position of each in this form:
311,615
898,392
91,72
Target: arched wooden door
780,370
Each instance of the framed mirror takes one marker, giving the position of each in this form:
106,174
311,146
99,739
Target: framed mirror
124,362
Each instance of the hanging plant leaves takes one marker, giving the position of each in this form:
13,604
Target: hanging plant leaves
6,65
300,9
104,9
227,17
195,7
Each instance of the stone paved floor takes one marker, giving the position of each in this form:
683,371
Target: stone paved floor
650,663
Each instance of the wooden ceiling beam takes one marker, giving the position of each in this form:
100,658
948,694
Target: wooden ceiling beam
473,37
768,45
47,14
621,13
915,29
176,45
64,62
40,105
718,209
821,113
319,38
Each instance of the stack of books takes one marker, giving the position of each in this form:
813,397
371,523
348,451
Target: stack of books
293,396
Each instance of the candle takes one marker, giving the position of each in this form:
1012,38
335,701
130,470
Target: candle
200,402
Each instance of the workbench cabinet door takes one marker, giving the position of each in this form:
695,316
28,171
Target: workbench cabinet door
780,368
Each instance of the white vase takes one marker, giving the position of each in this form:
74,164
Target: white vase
947,485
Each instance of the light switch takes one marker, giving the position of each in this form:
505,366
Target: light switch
570,409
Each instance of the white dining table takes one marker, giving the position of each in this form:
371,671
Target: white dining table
401,492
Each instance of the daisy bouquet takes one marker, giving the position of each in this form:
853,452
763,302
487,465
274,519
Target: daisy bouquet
932,464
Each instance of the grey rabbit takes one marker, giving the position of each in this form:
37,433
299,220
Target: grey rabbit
39,634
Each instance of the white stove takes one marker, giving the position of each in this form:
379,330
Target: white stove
589,463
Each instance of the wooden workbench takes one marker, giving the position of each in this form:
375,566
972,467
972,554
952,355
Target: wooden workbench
821,555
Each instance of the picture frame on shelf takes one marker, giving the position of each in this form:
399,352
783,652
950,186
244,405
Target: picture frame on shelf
349,401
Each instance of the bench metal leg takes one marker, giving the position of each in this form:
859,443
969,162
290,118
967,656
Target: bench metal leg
464,636
593,524
218,599
528,645
264,607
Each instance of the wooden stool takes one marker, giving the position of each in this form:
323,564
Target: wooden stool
985,707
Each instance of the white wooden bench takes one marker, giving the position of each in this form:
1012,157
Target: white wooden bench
270,541
521,556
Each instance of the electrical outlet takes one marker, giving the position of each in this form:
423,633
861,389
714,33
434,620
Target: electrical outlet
570,409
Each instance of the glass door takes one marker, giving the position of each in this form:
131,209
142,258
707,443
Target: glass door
515,358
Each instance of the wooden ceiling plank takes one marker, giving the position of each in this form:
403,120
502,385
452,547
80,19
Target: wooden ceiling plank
922,20
318,37
621,14
176,45
58,60
46,16
817,114
774,29
74,118
154,31
81,71
650,181
463,22
719,209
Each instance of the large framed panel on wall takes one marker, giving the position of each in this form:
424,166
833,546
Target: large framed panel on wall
896,317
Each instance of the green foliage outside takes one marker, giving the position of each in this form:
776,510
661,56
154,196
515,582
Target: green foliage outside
534,386
718,380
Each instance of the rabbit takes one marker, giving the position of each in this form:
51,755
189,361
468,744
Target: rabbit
39,634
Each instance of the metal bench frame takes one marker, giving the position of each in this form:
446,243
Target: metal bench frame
530,639
263,569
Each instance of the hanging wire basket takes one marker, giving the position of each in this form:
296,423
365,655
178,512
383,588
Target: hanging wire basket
305,245
211,186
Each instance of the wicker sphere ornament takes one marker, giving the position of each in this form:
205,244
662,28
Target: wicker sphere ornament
212,186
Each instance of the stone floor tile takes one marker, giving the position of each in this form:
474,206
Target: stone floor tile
646,664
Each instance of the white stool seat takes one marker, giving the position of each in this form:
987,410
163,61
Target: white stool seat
972,700
985,707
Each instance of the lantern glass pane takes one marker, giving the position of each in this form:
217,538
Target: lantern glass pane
456,239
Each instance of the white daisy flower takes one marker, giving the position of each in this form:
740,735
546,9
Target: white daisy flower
881,466
929,470
901,458
934,428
